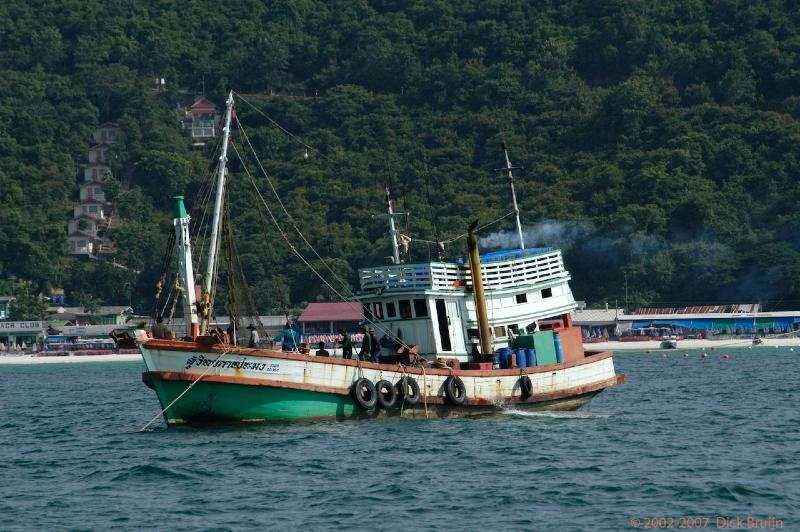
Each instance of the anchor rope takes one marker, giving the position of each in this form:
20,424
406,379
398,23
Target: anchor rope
210,367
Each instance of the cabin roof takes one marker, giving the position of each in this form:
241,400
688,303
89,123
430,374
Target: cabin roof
341,311
203,103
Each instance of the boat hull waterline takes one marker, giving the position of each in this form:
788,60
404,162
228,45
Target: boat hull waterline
256,385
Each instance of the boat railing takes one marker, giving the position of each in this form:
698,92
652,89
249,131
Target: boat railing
455,276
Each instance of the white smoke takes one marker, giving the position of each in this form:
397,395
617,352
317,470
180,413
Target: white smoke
546,233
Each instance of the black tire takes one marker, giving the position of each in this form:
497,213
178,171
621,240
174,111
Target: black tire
386,394
525,386
407,391
455,390
364,394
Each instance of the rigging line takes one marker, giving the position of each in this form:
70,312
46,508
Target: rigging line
286,131
451,240
484,226
344,285
257,193
210,367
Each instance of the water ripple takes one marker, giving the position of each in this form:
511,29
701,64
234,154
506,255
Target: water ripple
682,436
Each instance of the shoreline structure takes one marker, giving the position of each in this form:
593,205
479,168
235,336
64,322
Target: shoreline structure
654,345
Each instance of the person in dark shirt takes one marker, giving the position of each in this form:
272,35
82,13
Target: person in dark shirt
160,330
370,347
322,352
347,344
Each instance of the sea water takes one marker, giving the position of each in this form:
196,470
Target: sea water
683,438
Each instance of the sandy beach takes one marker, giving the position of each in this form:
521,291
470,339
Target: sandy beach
33,359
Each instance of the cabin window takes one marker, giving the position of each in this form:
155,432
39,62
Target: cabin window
420,308
473,334
522,298
514,328
499,332
391,311
378,310
367,312
547,292
405,309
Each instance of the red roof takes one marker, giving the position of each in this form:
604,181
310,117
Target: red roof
331,312
203,103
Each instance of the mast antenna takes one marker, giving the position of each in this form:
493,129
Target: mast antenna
213,248
509,168
393,232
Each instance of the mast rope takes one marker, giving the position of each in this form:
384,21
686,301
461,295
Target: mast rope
290,219
257,194
286,131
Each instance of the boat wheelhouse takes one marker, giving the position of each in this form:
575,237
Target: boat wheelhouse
431,305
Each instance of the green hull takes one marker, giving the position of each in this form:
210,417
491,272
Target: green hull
208,401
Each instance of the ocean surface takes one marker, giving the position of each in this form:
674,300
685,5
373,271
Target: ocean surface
715,438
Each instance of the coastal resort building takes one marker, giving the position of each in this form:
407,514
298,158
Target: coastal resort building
709,321
202,120
92,214
19,336
76,316
321,322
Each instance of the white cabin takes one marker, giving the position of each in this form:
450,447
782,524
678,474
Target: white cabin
431,304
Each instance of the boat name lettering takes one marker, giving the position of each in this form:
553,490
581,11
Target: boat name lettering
202,361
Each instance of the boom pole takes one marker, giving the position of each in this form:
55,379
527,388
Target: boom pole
477,290
213,248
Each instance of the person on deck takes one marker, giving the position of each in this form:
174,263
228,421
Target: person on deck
255,339
370,347
347,344
160,330
322,352
290,340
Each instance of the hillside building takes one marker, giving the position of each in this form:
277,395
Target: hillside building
92,214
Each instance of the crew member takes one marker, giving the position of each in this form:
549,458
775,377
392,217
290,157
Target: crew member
160,330
322,352
347,344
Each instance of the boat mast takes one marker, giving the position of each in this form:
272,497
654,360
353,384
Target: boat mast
477,289
392,228
185,268
513,195
213,248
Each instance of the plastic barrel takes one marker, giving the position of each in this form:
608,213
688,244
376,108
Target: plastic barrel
496,360
521,357
559,348
504,356
530,357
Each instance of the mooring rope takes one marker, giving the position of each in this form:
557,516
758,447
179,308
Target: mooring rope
210,367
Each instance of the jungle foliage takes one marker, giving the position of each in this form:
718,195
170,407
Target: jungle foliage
659,141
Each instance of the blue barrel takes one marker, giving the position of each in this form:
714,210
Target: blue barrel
530,357
504,356
522,359
496,360
559,348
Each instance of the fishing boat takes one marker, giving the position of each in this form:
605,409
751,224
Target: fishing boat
466,336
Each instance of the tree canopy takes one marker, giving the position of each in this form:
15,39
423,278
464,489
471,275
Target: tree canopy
659,141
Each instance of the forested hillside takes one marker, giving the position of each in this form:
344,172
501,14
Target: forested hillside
660,140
